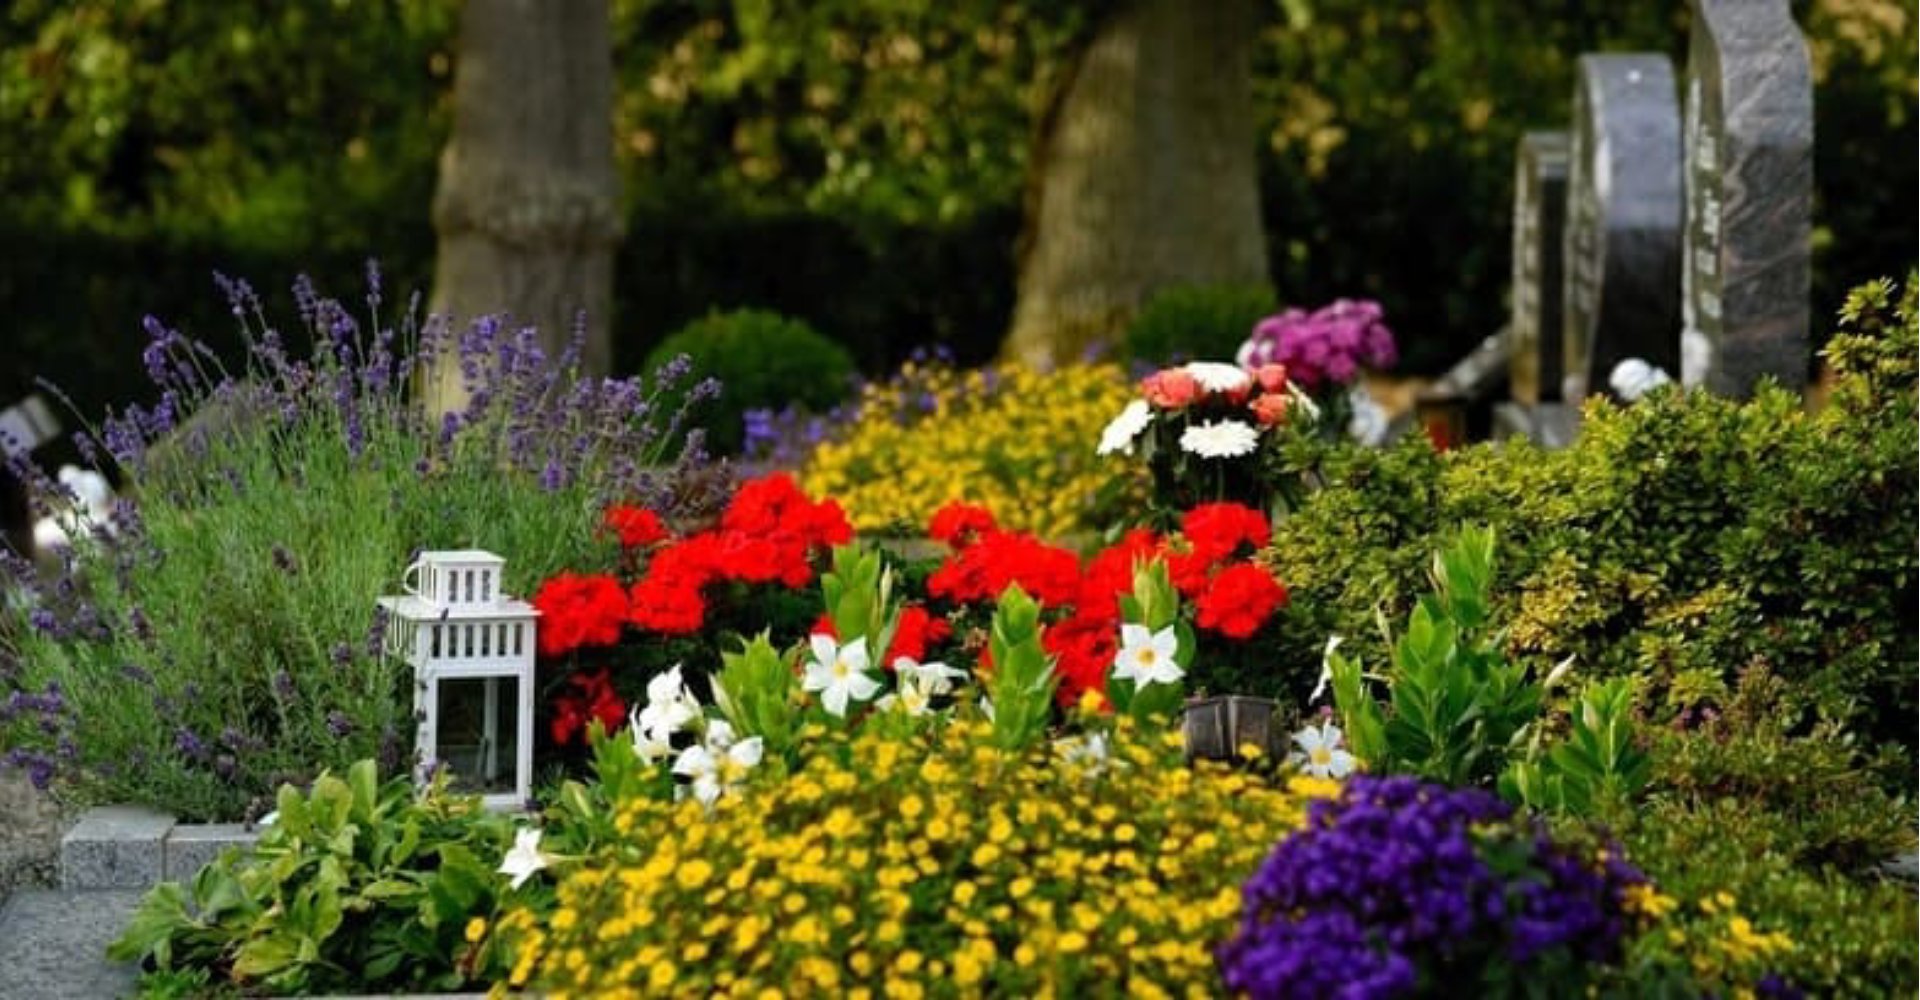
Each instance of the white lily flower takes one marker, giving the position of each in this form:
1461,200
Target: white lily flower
1320,754
1220,439
716,770
1218,376
525,858
1090,751
670,706
649,745
1147,657
936,678
1121,432
839,673
1326,669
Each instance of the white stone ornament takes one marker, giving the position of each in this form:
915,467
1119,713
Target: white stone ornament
471,648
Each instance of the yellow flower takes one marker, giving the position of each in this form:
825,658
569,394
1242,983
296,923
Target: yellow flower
476,929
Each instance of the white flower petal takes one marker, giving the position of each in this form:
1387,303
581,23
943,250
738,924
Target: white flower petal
1120,433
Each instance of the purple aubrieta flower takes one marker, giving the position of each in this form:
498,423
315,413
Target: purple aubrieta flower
1389,887
1325,347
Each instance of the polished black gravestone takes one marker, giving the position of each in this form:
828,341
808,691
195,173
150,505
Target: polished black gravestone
1749,190
1539,223
1622,250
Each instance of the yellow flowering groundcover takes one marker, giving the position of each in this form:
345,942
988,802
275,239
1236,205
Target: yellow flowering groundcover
901,868
1011,439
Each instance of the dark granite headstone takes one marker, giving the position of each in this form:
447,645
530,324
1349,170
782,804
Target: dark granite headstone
1622,251
1539,228
1749,182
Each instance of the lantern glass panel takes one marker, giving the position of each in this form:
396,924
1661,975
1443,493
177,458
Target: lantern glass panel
477,732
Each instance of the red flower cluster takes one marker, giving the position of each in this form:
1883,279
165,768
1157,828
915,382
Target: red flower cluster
767,534
578,610
635,526
1206,563
959,524
595,700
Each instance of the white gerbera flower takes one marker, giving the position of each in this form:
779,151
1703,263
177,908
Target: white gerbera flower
670,706
1218,376
839,673
1121,432
1220,439
525,858
1320,754
716,769
1147,657
1090,751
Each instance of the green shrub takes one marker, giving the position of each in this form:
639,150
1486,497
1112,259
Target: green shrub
1679,540
763,360
1850,937
357,887
1197,323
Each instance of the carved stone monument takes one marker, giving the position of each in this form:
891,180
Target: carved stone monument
1749,196
1539,223
1622,250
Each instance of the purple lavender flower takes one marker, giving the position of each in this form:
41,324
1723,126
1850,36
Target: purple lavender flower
341,655
189,744
339,724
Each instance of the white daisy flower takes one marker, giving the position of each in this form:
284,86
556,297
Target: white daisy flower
1220,439
1120,433
1218,376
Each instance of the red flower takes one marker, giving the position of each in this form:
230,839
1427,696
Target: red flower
578,611
1239,600
1217,530
636,526
980,572
960,524
916,631
667,607
763,505
596,700
1110,574
1083,648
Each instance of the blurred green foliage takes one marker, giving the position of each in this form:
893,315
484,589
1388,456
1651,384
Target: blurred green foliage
858,163
1207,323
764,361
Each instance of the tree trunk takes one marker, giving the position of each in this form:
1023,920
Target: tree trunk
1143,176
528,207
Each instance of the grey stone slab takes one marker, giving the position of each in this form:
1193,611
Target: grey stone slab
1534,335
1747,260
191,846
1549,425
53,945
1621,257
115,847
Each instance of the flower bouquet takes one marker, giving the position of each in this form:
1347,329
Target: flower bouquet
1325,352
1199,427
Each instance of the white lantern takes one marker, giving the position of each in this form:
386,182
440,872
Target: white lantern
471,648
